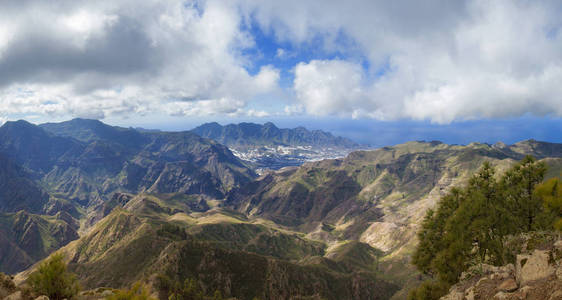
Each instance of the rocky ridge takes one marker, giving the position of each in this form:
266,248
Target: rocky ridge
327,223
268,147
377,197
536,274
77,167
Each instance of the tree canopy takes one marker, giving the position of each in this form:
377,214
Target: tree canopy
470,225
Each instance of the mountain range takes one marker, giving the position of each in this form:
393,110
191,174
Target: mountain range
76,167
267,147
251,134
125,205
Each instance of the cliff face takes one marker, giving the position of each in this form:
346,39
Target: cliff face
251,134
536,274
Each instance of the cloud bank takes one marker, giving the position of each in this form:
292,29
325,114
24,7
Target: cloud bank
98,58
441,61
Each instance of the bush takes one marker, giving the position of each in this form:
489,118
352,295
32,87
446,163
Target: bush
137,292
189,290
52,279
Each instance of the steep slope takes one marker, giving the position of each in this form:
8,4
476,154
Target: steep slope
221,250
34,148
160,162
87,130
392,184
377,197
18,191
80,165
85,161
26,238
251,134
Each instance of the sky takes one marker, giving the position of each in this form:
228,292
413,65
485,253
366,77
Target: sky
380,72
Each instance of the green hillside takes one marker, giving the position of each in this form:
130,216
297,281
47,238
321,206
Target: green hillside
166,207
26,238
242,259
377,197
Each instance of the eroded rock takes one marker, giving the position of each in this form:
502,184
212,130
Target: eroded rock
533,267
537,274
557,295
15,296
453,295
508,285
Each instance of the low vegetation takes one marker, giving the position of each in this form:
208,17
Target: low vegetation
137,292
53,280
189,290
471,225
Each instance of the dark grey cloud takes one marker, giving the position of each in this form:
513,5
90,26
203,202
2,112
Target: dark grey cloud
42,57
124,57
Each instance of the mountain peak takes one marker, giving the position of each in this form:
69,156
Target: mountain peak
86,121
211,124
245,133
89,130
20,128
269,125
18,124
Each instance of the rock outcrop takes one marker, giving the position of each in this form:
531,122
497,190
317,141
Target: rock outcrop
537,274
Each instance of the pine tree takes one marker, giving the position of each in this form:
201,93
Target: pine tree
430,236
470,225
550,192
518,186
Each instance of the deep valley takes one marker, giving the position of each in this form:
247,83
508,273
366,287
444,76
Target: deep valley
126,206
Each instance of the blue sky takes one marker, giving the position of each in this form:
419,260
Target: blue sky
380,72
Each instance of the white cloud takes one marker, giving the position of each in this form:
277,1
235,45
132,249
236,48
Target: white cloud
103,58
294,110
258,113
432,60
82,25
440,61
331,87
223,106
